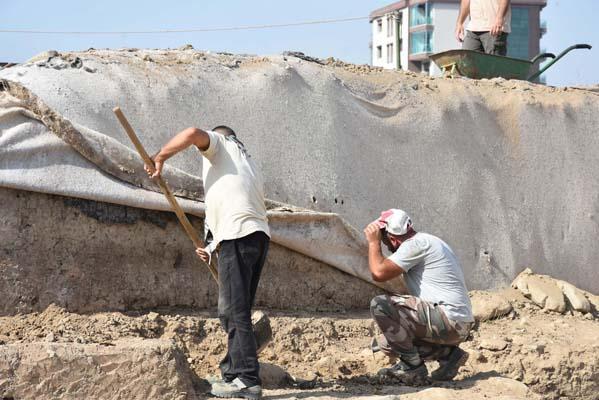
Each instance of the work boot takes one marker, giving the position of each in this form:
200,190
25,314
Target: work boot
236,389
406,373
212,379
449,366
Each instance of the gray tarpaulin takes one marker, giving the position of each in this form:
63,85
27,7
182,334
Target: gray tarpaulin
41,151
503,171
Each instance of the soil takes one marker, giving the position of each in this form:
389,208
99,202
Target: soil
556,356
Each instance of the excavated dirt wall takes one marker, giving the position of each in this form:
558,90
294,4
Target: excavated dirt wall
90,256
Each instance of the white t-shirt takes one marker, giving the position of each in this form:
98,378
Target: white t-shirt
483,14
233,190
434,274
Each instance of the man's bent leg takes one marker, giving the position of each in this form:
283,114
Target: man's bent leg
397,318
449,354
415,329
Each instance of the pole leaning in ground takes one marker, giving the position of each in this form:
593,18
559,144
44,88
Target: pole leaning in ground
191,232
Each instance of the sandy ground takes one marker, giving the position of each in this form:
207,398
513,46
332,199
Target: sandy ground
530,353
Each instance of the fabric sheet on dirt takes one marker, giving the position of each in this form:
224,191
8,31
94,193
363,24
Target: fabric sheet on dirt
41,151
503,171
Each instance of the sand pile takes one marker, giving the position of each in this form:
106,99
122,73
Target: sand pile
527,352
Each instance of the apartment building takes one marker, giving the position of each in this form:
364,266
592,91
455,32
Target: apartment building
406,32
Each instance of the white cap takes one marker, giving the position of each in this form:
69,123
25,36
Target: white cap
395,221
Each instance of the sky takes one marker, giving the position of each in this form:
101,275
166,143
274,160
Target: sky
568,22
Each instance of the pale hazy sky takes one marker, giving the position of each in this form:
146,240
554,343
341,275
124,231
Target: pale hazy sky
568,22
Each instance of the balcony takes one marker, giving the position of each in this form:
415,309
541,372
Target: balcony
421,20
420,15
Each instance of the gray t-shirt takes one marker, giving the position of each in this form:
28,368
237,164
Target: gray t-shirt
434,274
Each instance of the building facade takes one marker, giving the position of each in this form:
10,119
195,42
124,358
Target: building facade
407,32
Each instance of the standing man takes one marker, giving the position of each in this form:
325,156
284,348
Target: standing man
236,216
430,323
490,24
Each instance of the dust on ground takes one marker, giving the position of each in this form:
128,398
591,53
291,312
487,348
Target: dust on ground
554,355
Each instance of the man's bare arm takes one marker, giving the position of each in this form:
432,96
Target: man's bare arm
181,141
497,27
464,12
381,269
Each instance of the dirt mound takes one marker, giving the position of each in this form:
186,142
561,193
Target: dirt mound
554,355
132,369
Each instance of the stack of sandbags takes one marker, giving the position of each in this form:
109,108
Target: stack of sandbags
553,294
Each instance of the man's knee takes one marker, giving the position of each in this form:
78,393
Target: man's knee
380,306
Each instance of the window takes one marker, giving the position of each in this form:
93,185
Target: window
518,38
379,25
389,53
421,42
379,51
390,23
420,15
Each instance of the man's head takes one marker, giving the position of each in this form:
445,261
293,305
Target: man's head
224,130
396,227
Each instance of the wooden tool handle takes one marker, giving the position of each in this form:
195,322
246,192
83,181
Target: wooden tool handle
191,232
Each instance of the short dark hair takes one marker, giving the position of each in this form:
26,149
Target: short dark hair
225,130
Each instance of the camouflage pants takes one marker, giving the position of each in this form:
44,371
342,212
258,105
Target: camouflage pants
414,329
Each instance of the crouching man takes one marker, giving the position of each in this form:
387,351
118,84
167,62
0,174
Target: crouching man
430,323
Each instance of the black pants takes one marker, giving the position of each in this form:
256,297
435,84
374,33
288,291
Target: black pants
240,263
